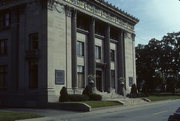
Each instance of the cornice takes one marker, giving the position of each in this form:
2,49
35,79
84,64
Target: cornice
116,10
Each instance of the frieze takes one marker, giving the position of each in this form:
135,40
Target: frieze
101,13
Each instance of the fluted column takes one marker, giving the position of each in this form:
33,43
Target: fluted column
74,55
107,61
91,50
120,63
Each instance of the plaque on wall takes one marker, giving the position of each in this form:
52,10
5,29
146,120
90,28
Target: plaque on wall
59,77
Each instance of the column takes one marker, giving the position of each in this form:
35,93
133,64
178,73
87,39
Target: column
120,63
91,50
134,58
74,55
107,61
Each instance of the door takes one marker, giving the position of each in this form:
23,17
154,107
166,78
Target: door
99,80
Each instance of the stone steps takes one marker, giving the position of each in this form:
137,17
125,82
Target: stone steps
113,96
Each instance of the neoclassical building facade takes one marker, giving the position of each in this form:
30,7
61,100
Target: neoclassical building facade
48,44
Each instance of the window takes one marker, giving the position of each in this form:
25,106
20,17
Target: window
33,74
80,76
112,55
3,47
3,74
4,20
98,52
33,41
80,48
113,79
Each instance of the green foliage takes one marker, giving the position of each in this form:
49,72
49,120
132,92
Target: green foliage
12,116
88,90
159,61
77,98
95,97
87,95
145,91
63,95
134,92
160,98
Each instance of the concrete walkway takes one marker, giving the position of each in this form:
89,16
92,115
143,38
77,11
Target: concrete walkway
129,101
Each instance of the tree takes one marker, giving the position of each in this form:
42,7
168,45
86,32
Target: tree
159,61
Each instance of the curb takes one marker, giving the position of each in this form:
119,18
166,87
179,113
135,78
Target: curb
146,99
82,107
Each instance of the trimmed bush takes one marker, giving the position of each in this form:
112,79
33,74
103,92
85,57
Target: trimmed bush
88,90
63,95
95,97
134,92
77,98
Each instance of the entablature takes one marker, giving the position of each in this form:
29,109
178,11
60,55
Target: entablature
102,13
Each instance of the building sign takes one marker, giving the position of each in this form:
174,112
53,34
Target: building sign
59,77
101,13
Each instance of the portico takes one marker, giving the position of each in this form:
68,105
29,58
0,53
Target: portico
64,43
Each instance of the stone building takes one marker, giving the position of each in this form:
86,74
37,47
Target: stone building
48,44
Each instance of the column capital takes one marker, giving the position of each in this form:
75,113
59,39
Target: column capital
133,35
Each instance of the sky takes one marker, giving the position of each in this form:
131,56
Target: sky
157,17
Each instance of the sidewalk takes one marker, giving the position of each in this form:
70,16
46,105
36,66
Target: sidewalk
63,114
59,115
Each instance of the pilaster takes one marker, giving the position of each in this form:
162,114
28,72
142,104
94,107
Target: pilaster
74,55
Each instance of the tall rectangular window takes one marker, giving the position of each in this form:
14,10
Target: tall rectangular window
3,47
3,76
80,76
33,74
80,48
33,41
113,79
4,20
7,20
112,55
98,52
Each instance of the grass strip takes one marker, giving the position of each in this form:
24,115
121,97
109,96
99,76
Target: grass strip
98,104
12,116
161,98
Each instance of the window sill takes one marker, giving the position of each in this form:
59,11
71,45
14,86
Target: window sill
80,56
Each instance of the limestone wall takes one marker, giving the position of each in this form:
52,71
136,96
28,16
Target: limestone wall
59,50
129,61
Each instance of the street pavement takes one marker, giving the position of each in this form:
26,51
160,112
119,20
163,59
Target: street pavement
154,111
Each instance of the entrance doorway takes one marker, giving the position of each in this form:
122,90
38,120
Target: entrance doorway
99,80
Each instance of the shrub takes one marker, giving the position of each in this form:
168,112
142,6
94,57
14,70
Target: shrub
88,90
134,92
128,95
77,97
63,95
95,97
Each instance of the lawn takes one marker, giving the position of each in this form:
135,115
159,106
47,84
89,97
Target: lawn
97,104
12,116
161,98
